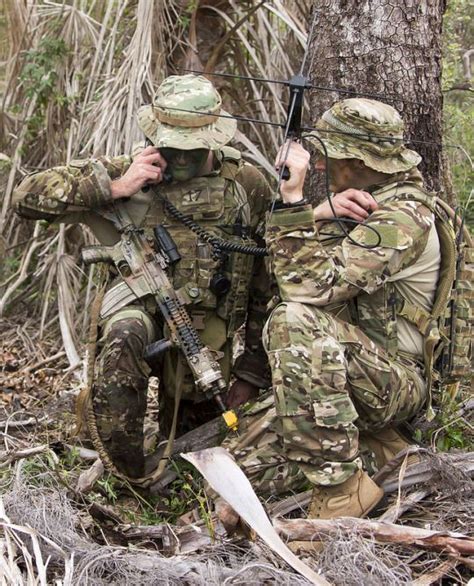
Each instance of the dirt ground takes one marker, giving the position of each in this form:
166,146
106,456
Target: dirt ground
64,518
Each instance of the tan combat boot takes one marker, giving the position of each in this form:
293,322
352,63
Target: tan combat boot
386,444
355,497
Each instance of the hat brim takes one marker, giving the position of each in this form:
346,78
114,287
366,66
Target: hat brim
337,149
210,136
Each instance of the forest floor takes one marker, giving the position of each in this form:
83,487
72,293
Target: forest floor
64,520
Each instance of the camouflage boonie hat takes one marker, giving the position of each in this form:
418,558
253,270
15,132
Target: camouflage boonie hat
183,115
367,130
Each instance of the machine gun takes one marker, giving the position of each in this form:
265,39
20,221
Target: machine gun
143,268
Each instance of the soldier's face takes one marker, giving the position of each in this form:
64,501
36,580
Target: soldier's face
184,165
342,173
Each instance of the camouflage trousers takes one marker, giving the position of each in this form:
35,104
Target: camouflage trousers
119,390
329,382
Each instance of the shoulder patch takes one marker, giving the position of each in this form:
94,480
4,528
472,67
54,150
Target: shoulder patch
390,236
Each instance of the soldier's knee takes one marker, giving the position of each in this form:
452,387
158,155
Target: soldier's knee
294,323
123,345
123,329
131,321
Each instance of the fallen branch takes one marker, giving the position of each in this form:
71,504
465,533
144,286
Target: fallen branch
7,458
316,530
37,365
84,453
21,422
397,509
89,477
436,574
178,540
421,472
208,435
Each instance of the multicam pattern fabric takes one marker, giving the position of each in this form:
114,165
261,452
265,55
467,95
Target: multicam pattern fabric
69,193
187,114
328,272
332,378
227,205
359,128
119,394
329,381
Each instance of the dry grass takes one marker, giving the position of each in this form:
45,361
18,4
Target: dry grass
108,58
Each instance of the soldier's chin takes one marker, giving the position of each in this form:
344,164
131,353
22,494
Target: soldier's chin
182,174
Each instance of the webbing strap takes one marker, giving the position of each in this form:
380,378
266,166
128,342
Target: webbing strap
84,397
430,341
157,473
424,321
419,317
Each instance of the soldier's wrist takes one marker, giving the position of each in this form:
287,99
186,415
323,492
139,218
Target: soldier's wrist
117,189
282,205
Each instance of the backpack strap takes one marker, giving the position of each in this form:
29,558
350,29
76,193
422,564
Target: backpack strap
428,323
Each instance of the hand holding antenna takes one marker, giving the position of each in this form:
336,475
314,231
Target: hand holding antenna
295,158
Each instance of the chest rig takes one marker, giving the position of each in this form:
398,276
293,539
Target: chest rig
209,280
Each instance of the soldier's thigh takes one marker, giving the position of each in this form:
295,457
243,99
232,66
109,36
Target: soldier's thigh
295,325
384,390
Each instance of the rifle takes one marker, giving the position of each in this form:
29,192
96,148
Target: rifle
143,268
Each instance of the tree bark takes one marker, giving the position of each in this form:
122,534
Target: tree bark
387,47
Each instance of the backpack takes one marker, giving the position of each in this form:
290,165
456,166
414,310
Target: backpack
449,328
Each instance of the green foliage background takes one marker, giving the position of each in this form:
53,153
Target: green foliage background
458,98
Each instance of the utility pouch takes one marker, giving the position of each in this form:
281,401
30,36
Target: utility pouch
233,306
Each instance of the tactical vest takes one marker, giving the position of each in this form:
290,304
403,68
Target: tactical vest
219,205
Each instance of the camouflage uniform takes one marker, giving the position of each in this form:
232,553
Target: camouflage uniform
230,202
333,347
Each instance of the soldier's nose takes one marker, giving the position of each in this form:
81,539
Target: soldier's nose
181,159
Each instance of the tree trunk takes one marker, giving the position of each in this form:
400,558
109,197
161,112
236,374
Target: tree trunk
388,47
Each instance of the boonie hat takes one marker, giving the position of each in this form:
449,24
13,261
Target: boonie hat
183,115
369,130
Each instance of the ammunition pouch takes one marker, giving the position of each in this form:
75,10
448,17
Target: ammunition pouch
118,296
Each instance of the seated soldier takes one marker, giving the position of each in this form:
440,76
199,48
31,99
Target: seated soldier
342,359
210,184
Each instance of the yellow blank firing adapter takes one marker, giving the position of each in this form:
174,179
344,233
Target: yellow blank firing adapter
231,419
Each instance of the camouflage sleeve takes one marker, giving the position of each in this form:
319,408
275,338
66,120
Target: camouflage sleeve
307,272
258,192
75,188
252,364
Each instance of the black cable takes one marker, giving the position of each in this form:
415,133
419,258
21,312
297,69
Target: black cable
309,86
311,128
218,244
296,86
